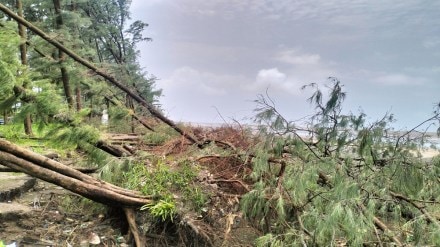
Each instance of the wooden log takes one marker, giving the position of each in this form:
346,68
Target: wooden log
91,191
111,149
58,167
84,170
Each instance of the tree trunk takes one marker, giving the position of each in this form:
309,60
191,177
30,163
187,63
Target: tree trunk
23,55
129,104
113,150
61,57
80,169
28,125
78,98
5,117
90,191
58,167
133,115
52,171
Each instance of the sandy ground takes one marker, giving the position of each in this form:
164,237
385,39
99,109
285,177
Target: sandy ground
428,153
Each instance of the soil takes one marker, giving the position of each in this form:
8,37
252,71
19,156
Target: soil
41,217
223,178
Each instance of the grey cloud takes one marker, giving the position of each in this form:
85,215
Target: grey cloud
292,56
227,51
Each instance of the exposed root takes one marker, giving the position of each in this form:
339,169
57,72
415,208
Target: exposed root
197,230
139,239
229,223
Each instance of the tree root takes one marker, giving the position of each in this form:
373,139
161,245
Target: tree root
190,223
139,239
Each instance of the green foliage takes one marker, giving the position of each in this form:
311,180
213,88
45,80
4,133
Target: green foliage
9,62
75,135
111,168
155,138
118,113
163,182
165,210
2,244
323,185
11,132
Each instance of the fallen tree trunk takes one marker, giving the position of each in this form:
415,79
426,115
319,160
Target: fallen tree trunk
80,169
90,191
141,121
60,168
111,149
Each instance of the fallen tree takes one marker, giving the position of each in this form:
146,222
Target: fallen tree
41,167
44,168
340,180
84,170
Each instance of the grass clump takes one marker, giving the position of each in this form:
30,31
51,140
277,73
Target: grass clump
162,209
169,185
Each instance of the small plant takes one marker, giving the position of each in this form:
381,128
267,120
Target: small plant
2,244
163,209
197,197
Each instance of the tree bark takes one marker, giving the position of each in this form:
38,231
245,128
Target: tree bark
78,98
23,55
61,57
133,115
95,69
91,191
139,239
60,168
113,150
80,169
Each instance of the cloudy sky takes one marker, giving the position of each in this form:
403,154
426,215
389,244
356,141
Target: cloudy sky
213,57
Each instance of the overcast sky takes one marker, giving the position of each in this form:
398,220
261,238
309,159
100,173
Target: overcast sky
218,55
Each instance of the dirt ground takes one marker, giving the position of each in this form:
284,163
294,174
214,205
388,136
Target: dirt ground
50,216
